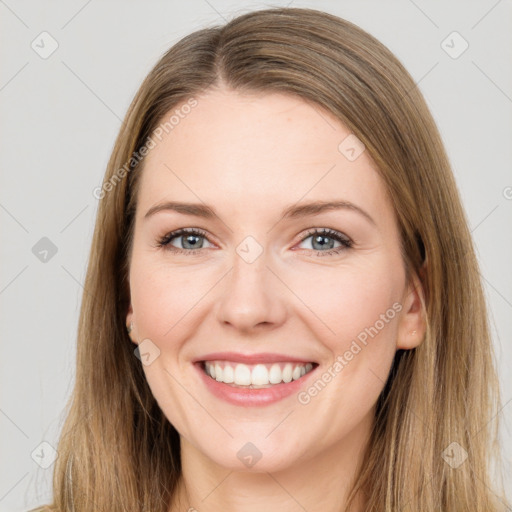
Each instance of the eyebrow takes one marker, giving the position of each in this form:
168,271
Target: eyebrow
291,212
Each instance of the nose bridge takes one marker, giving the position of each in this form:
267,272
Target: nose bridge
251,296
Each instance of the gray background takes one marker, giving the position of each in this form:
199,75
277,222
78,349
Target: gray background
59,118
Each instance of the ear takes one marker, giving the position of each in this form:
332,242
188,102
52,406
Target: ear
130,322
412,324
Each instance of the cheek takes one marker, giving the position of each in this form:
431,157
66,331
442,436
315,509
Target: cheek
163,303
359,308
161,296
352,301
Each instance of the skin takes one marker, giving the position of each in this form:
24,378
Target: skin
250,156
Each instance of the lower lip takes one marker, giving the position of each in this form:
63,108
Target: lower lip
252,397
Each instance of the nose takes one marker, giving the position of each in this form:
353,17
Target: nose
252,296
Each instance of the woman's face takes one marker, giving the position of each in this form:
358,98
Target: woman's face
267,285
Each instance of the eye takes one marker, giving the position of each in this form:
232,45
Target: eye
190,239
323,242
325,239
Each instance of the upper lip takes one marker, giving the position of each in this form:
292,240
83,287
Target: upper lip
264,357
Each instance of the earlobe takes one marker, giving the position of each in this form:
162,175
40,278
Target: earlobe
129,324
412,323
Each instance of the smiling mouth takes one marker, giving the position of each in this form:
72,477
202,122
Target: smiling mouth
256,376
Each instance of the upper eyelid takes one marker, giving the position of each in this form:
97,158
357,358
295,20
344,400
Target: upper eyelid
327,232
185,231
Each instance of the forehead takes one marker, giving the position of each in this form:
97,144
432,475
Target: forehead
248,150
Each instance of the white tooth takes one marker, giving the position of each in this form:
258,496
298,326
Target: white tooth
210,369
309,367
259,375
275,375
242,375
302,371
218,372
287,372
228,375
296,373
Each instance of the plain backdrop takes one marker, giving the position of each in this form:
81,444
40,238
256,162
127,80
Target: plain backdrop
69,70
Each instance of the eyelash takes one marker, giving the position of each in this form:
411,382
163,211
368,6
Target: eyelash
164,242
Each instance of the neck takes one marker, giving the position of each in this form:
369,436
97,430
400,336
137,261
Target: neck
321,483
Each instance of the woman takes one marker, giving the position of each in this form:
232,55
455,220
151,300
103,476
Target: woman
283,307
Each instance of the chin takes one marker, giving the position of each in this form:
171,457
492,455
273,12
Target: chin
253,454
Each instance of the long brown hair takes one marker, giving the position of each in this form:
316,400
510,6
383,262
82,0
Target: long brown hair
117,450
